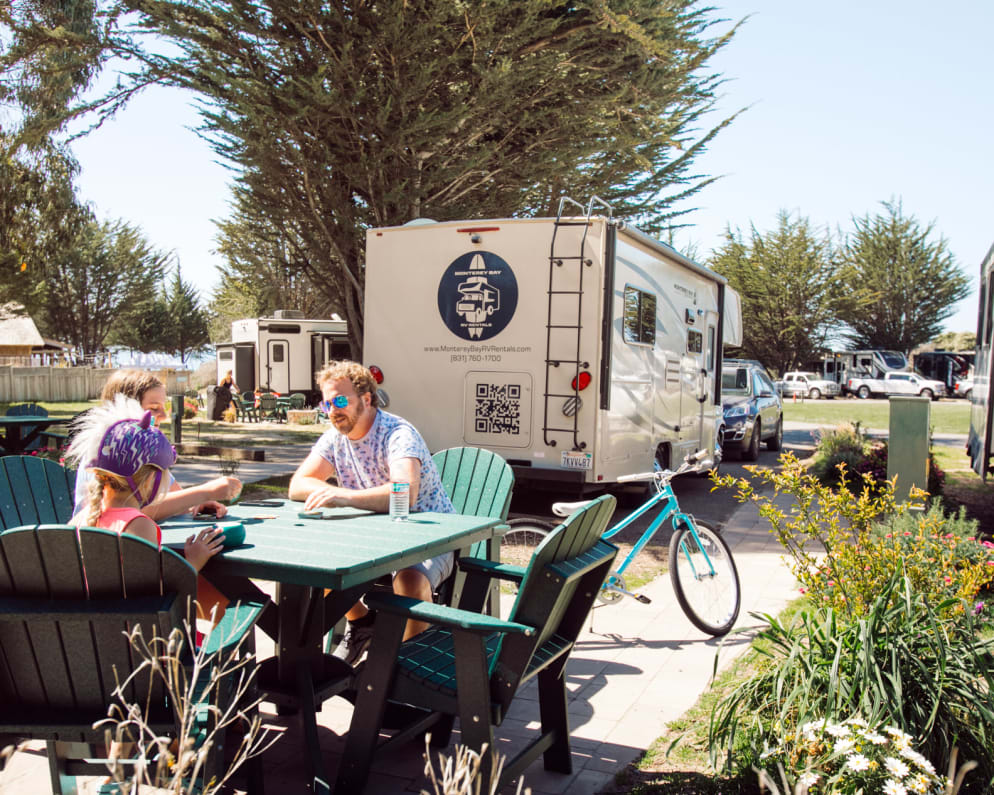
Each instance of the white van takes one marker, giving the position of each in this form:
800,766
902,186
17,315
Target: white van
579,349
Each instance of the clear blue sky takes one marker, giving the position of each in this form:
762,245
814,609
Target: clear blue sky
849,104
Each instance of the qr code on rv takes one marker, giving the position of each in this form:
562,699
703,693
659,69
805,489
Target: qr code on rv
498,408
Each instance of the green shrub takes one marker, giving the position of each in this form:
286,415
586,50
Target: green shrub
906,663
841,551
845,445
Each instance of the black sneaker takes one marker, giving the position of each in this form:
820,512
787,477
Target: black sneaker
355,642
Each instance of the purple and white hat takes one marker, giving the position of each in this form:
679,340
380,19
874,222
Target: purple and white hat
130,444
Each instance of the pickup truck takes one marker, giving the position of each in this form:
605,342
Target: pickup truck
807,385
896,383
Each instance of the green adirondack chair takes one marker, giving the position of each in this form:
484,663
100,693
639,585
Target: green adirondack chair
471,665
34,490
245,411
479,483
65,599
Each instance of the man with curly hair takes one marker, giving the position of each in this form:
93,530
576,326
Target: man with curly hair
365,450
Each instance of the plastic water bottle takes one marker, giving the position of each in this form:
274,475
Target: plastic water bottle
400,500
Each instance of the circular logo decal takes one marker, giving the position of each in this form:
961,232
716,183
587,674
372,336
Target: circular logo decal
477,295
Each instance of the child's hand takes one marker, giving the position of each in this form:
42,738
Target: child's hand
217,509
201,547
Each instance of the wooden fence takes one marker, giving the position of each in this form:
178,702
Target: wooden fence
28,384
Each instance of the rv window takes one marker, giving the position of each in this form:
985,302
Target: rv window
225,355
277,353
274,328
695,341
640,317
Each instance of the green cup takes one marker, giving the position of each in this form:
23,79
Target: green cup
234,533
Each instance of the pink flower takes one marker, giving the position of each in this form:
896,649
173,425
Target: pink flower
948,580
890,535
990,563
803,590
831,583
907,534
949,535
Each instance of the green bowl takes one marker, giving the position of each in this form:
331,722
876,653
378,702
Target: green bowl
234,533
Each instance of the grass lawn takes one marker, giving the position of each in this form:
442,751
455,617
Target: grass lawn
948,416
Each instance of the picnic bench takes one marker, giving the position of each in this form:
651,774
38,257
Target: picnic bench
66,599
471,665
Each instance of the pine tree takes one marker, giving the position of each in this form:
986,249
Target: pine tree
788,280
907,277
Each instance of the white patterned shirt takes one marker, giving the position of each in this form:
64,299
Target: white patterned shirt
365,463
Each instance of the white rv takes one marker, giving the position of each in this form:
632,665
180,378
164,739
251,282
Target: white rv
579,349
283,352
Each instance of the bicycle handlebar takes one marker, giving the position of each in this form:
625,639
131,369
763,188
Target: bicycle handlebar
692,461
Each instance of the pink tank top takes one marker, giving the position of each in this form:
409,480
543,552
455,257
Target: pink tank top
117,519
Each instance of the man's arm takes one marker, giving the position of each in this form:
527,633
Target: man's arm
311,475
375,499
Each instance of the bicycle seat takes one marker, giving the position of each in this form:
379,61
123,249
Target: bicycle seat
566,508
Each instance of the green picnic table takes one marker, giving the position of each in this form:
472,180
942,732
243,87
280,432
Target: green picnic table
345,552
12,442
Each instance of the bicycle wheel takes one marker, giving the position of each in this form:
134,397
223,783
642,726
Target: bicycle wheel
518,543
705,579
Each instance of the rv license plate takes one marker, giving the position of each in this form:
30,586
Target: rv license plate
576,460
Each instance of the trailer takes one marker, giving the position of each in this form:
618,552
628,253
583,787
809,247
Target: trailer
578,348
841,366
283,353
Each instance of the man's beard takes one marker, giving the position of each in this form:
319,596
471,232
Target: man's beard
345,422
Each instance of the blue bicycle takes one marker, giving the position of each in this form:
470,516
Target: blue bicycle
701,567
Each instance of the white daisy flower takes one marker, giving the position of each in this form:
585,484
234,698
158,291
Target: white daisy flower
896,767
919,784
857,722
844,746
808,779
858,762
892,787
838,730
876,739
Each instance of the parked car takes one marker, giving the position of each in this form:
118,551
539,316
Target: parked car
808,385
753,411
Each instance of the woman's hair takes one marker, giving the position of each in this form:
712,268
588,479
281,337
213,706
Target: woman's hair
228,379
130,383
362,380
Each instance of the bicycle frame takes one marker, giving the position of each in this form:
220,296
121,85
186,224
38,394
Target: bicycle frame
665,494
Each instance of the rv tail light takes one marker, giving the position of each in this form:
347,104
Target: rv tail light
377,373
581,381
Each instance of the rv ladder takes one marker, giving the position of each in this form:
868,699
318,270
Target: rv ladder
567,347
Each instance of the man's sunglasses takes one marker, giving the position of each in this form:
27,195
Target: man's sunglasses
338,402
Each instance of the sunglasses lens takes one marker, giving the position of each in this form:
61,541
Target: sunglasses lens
340,401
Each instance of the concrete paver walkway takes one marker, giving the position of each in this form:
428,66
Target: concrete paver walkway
635,668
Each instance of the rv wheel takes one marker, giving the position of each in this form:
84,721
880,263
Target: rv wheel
863,392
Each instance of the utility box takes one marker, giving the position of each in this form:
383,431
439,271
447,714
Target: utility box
907,450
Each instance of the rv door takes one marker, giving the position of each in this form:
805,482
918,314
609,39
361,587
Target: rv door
278,366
